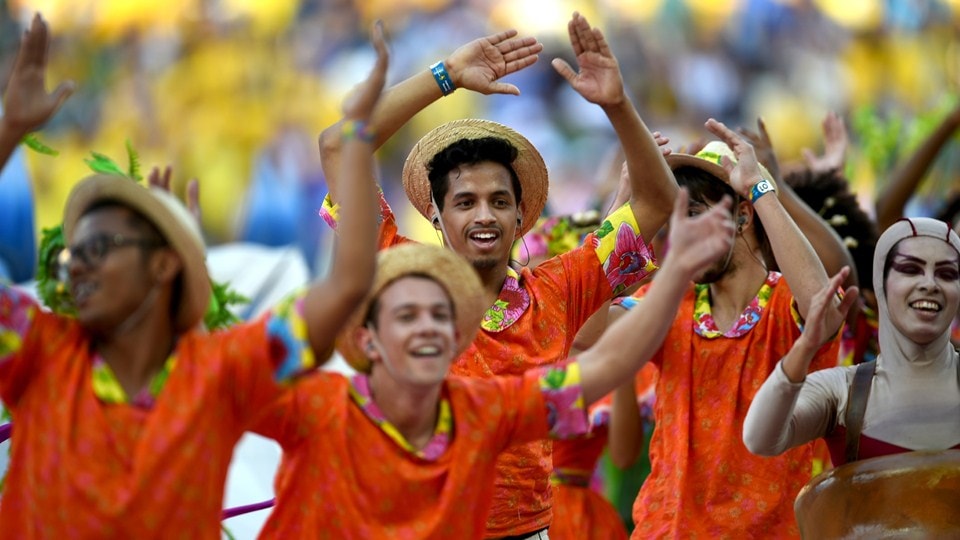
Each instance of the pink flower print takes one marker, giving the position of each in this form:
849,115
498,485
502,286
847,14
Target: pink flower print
630,261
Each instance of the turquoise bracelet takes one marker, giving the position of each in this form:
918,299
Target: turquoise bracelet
760,189
443,79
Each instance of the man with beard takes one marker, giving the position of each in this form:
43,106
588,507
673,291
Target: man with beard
483,185
735,323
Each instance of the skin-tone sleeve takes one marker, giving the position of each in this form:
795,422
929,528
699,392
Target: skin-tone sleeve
784,414
792,407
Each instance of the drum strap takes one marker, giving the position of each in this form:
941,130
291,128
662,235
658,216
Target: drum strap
857,397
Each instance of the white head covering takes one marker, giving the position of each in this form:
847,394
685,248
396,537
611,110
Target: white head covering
897,350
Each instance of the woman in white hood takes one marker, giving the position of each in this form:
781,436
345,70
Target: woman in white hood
909,398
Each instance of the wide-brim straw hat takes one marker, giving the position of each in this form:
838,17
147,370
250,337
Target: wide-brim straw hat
450,270
710,160
529,165
169,216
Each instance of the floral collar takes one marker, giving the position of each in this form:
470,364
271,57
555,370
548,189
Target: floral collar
512,302
706,327
107,388
360,392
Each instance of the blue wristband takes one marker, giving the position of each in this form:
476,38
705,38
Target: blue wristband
443,79
760,189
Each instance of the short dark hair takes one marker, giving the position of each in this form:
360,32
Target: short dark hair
828,194
470,152
705,188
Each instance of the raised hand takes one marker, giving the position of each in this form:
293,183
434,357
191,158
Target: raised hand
696,242
662,141
478,65
598,80
27,105
359,105
745,172
161,180
824,316
835,143
763,147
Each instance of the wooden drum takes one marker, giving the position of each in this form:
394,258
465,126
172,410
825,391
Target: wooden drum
911,495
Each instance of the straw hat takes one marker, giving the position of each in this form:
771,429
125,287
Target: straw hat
451,271
169,216
710,160
529,166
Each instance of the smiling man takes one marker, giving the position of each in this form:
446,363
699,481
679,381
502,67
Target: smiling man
401,450
126,416
483,185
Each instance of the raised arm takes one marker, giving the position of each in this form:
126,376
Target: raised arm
788,410
476,66
330,301
26,104
905,179
795,257
599,81
825,241
627,345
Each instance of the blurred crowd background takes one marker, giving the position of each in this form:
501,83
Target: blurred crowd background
234,92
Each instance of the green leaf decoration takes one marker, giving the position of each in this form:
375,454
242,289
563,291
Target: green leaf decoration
133,171
100,163
33,142
227,532
218,315
52,292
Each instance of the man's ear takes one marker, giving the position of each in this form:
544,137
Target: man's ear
165,265
363,338
743,215
434,214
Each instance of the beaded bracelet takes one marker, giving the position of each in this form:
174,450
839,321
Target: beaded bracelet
356,129
443,79
760,189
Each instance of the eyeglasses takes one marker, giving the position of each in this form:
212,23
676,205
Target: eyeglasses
92,251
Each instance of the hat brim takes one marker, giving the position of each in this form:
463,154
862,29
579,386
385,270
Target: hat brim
169,216
529,165
675,161
442,265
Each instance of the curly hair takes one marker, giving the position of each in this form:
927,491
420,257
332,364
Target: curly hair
470,152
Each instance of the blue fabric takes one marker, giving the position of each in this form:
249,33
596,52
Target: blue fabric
18,239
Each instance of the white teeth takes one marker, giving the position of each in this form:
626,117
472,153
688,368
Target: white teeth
925,305
427,350
483,236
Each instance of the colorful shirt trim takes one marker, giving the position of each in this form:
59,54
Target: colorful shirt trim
435,447
563,394
330,212
16,314
108,390
625,258
706,327
289,339
512,302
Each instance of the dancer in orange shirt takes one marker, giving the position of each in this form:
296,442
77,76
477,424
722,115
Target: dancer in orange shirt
403,450
483,185
126,417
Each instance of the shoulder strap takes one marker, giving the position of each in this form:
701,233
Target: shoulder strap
857,406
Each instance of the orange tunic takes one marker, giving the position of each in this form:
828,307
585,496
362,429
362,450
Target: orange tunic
703,482
83,468
533,323
579,511
344,476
